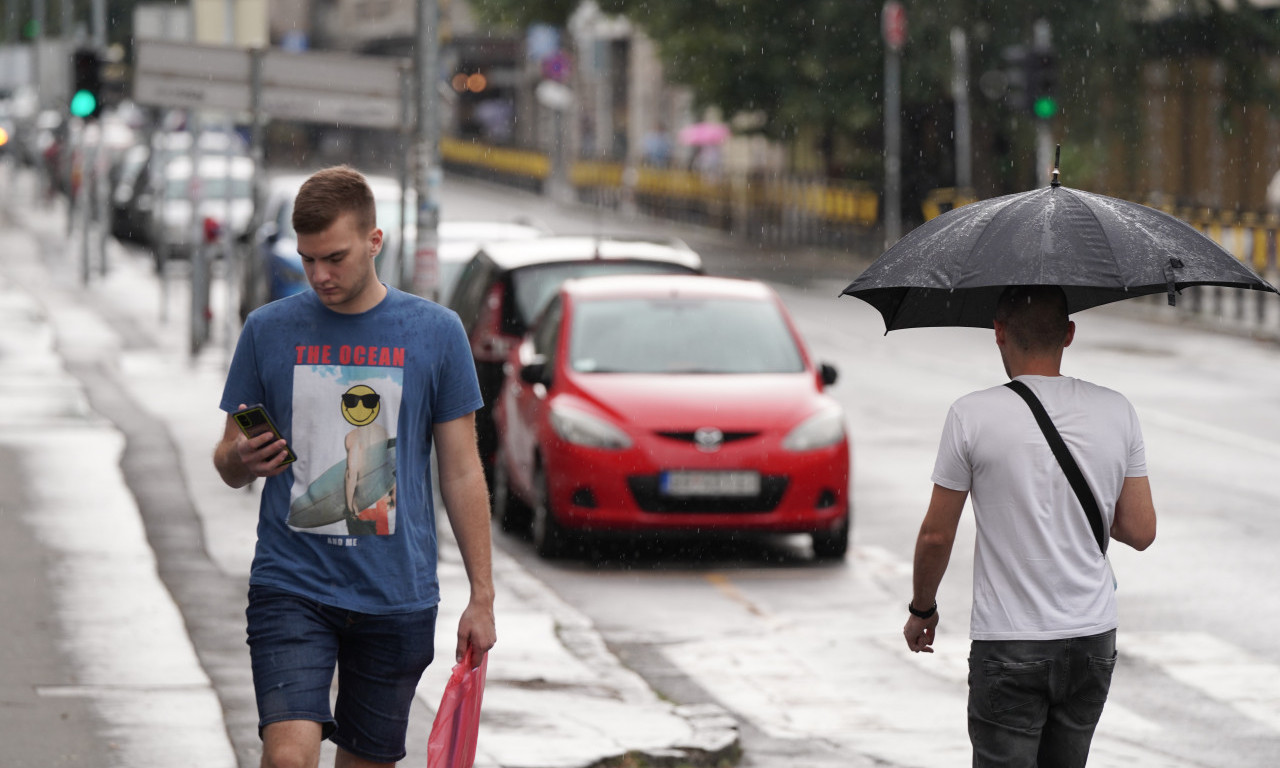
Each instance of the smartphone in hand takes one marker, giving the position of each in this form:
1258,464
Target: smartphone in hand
254,420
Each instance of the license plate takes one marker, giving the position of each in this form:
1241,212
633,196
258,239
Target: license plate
687,483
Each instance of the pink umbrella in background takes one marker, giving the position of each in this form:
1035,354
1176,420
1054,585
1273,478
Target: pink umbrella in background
703,134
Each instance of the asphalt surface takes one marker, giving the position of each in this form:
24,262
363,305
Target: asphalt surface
48,719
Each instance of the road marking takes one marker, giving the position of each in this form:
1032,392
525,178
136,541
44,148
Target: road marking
727,588
1216,668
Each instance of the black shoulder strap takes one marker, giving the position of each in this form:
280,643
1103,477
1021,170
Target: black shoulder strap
1069,466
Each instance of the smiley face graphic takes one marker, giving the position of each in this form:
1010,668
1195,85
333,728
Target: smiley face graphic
360,405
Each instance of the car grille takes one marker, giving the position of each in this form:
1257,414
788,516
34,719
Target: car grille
688,437
644,488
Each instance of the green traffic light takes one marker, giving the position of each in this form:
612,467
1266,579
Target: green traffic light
83,104
1044,107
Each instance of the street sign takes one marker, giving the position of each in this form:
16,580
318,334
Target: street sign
332,88
311,87
894,23
192,76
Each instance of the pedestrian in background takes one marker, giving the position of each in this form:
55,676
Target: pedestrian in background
361,379
1043,626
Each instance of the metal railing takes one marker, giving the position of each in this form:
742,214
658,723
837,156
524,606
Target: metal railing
772,209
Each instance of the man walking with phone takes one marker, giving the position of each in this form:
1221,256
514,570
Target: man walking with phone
1044,618
323,594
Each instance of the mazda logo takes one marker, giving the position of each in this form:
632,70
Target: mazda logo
708,438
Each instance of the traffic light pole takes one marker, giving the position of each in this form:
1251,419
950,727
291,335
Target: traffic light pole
1042,55
428,179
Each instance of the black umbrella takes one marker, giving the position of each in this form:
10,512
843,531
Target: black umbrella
950,271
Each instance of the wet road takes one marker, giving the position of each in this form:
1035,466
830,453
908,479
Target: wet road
809,657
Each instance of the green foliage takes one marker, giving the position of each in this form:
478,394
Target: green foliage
815,68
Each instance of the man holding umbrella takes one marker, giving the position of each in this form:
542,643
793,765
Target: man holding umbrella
1044,619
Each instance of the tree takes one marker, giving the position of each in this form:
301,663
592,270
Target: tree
816,67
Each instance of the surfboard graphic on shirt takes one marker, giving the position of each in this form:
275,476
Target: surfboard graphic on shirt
344,424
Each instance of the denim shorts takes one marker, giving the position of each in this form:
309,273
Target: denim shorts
296,643
1035,703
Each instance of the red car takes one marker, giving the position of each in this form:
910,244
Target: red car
669,403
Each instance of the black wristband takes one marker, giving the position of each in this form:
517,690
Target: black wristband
923,614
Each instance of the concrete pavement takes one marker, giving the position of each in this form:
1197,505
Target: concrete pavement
556,695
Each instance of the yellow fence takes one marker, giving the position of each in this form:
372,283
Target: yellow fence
791,209
516,162
769,204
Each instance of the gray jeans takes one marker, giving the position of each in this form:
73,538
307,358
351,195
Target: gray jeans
1035,703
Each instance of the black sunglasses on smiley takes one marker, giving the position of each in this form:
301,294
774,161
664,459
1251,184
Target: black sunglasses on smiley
370,400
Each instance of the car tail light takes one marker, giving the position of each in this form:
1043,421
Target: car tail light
488,345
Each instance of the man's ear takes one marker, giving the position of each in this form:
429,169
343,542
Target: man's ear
1000,333
375,241
1071,333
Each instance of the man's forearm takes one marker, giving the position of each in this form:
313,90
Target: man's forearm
931,558
466,502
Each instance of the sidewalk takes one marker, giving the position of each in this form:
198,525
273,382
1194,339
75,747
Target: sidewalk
556,695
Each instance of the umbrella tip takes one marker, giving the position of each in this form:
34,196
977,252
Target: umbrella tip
1057,158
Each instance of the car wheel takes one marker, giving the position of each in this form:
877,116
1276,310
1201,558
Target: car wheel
832,544
550,539
511,512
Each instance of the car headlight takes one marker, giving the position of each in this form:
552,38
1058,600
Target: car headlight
581,429
824,428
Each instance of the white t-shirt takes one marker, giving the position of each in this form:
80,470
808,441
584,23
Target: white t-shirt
1038,573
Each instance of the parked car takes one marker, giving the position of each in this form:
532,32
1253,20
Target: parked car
664,404
225,196
461,239
164,148
128,186
505,285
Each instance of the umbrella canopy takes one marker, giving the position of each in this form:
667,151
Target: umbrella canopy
703,134
950,271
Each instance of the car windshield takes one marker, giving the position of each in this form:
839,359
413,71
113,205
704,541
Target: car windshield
211,187
534,286
682,335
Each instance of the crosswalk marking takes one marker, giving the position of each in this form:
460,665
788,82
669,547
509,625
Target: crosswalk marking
846,677
1214,667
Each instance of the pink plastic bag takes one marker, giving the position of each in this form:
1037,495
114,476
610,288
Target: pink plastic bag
457,724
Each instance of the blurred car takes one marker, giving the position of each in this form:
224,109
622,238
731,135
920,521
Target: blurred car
7,134
670,404
164,148
225,196
505,285
461,239
127,182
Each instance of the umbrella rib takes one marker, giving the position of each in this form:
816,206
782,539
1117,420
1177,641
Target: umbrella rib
1085,199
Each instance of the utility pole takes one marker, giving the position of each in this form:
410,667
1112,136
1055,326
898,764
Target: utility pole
960,94
894,23
1040,91
426,259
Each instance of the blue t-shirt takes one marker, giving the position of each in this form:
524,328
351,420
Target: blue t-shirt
351,523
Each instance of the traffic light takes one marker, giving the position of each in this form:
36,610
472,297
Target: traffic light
1015,72
86,83
1041,81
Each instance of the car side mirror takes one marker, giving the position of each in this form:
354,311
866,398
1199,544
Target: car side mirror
536,373
829,374
269,233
